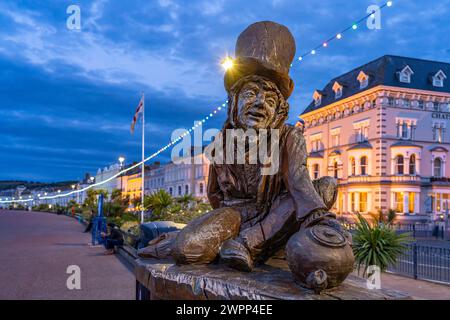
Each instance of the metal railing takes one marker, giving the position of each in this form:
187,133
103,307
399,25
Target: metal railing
424,262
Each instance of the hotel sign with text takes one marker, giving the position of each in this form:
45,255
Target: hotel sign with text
440,115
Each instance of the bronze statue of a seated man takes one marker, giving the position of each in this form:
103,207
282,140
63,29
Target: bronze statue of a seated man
256,215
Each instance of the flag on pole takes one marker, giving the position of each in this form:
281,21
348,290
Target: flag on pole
139,110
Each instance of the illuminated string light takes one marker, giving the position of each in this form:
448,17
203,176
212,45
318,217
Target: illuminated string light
339,35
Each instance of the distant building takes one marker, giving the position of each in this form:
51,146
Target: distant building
188,178
105,174
132,181
381,130
154,180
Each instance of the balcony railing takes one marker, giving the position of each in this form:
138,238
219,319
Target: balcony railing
393,178
439,179
405,178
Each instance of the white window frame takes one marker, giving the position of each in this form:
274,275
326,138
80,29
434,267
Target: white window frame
338,90
363,79
438,79
317,97
405,74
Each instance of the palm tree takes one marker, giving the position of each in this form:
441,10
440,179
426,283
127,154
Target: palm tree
158,202
185,200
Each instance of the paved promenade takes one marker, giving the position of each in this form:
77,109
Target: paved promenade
36,249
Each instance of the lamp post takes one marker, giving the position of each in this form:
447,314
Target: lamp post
73,189
121,160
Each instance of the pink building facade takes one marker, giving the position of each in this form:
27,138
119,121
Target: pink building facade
381,131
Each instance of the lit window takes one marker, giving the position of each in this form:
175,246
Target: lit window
398,202
352,202
411,202
363,202
438,202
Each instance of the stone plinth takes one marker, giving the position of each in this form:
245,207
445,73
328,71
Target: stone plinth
162,279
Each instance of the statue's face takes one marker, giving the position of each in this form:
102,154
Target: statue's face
257,104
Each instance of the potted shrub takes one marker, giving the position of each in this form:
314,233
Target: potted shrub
377,244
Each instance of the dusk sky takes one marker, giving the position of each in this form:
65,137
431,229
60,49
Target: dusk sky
67,97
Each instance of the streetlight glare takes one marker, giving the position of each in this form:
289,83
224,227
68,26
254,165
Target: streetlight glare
227,63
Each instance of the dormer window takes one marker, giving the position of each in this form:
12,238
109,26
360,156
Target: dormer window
363,80
317,96
405,75
438,79
337,88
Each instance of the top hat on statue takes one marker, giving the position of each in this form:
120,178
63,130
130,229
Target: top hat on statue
267,49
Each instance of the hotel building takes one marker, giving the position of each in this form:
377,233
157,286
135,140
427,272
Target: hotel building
381,131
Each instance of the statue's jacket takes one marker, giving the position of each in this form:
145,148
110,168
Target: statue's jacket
252,194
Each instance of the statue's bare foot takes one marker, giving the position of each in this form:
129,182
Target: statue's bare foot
235,255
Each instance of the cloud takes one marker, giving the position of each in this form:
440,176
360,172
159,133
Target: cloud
101,59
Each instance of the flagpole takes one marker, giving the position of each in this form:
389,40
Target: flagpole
143,157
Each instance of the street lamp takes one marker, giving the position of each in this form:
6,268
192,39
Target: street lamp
73,188
121,160
227,63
